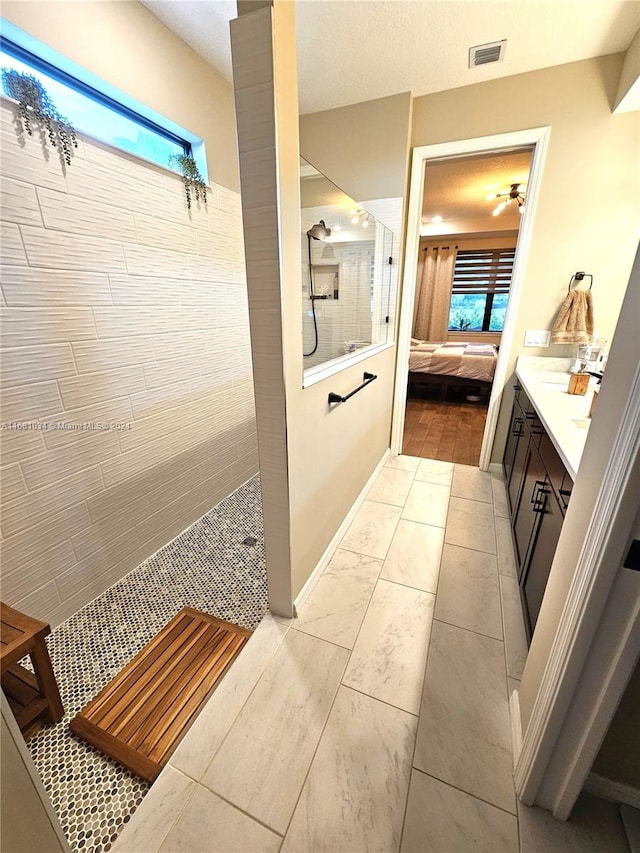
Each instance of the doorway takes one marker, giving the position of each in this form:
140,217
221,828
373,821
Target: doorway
536,140
471,212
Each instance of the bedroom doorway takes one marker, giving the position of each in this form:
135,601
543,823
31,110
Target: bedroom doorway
462,428
471,212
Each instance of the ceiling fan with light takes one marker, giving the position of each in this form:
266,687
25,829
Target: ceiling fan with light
515,194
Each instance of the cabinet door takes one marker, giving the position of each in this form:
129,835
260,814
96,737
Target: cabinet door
541,553
515,433
527,516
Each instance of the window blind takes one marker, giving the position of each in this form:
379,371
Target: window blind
483,271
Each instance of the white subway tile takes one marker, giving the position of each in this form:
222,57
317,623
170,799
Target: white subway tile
175,344
86,421
29,287
19,443
19,202
55,249
19,582
147,430
134,290
107,354
11,247
148,261
36,364
128,321
209,269
26,546
152,231
86,450
30,402
166,397
27,164
37,326
114,538
116,499
35,506
90,388
11,483
88,578
170,371
62,212
142,460
43,603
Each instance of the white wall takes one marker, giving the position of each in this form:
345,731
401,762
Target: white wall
119,306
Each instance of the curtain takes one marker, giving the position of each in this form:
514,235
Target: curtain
434,294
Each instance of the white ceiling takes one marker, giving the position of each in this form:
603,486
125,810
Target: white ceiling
357,50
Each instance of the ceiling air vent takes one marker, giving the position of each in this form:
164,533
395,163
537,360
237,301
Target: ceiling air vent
483,54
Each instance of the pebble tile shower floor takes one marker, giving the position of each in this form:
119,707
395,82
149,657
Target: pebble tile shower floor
208,567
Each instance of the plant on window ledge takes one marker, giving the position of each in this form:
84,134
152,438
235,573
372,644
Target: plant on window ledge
194,184
34,103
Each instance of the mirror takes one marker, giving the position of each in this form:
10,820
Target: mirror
348,285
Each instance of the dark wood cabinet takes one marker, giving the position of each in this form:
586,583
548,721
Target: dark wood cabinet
542,548
539,488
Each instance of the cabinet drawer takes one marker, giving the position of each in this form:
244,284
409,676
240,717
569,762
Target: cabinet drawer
552,462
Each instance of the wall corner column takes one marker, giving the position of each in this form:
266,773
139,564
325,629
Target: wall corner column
266,96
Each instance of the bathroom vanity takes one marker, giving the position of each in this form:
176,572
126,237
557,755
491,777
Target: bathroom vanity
547,434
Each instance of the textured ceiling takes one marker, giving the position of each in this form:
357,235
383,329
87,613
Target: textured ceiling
357,50
458,189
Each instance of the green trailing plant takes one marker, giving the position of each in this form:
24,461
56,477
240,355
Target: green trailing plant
194,185
35,105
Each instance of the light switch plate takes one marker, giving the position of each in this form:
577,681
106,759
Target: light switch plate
537,338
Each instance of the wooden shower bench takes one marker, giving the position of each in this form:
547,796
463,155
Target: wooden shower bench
141,716
30,696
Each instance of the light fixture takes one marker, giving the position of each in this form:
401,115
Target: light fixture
515,194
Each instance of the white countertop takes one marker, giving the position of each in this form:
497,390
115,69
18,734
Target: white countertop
565,416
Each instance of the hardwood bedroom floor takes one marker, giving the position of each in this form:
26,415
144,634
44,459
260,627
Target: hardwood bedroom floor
449,431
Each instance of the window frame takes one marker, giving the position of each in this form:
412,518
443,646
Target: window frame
489,289
24,47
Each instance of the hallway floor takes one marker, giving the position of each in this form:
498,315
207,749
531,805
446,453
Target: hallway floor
379,719
450,431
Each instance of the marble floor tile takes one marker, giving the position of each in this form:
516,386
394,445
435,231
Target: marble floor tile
468,591
389,656
500,504
391,486
209,825
464,733
156,814
372,529
195,752
435,471
515,640
427,503
504,547
262,764
471,483
336,606
595,826
470,525
355,794
414,555
405,463
442,819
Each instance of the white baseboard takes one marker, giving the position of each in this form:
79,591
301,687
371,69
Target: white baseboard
616,792
516,725
313,578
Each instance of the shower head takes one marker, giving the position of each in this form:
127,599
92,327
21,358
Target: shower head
319,231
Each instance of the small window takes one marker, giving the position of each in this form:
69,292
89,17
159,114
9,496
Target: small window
480,291
96,113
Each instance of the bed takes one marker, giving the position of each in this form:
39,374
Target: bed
454,363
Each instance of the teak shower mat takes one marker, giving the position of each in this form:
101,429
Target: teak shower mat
141,716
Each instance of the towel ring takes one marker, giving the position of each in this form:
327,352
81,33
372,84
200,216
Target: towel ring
580,276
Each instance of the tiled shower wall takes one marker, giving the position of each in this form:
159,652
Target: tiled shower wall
119,307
